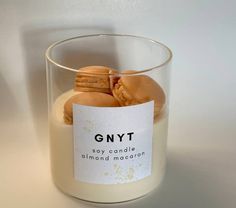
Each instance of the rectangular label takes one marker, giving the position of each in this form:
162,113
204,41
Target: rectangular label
112,145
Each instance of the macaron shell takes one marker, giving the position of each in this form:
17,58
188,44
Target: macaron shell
96,99
97,70
128,71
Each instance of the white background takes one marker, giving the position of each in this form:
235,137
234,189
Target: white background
201,148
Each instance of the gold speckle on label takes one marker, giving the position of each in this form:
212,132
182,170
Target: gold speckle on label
88,125
130,174
106,173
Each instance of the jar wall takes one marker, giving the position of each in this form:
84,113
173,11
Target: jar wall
145,58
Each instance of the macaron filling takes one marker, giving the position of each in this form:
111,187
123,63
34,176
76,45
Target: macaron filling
122,95
91,81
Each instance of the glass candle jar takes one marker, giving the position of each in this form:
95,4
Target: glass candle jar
108,115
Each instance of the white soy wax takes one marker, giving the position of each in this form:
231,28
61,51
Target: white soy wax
62,161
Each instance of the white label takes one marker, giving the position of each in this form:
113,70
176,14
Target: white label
112,144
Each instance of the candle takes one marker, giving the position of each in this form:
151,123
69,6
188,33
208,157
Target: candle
108,125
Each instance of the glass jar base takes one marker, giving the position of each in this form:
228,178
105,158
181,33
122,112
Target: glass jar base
111,197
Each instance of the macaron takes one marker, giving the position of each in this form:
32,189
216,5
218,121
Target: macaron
137,89
93,79
97,99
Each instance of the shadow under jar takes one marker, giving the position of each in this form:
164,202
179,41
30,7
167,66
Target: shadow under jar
108,115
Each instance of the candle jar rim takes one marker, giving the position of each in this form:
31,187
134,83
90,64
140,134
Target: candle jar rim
144,70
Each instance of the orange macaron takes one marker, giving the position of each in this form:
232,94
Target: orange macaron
137,89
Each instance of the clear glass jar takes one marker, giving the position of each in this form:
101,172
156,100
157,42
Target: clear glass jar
109,143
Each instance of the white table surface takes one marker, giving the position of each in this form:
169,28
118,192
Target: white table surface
201,169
